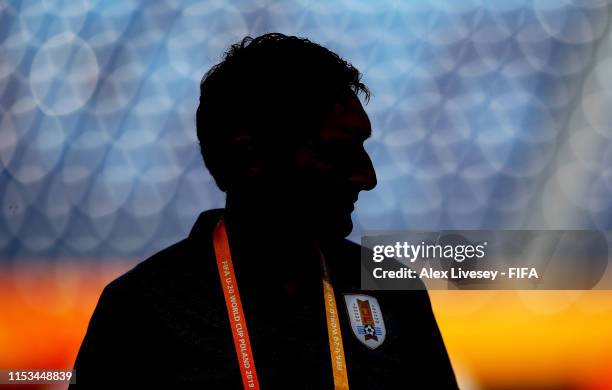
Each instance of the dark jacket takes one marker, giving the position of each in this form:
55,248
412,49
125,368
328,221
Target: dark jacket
164,323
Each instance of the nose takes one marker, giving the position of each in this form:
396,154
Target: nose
364,178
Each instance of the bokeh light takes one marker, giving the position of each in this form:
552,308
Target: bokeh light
486,114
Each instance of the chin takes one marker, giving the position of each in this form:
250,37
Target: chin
336,227
346,230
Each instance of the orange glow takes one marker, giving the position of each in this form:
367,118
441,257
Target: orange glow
501,338
529,338
45,311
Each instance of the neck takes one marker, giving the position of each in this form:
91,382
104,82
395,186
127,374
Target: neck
254,218
258,230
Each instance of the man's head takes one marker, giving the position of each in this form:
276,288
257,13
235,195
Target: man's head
280,120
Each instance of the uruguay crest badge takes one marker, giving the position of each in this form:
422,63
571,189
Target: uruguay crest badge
366,319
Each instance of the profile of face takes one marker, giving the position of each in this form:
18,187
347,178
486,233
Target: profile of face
282,131
328,172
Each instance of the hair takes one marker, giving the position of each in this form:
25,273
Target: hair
273,89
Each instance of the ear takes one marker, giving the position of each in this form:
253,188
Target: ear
249,159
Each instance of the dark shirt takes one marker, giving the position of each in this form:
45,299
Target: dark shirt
164,323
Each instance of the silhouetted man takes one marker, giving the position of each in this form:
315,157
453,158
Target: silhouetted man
266,291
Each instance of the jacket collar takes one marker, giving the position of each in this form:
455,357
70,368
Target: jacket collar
206,222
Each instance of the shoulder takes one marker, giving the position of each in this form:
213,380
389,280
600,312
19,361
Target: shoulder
166,264
176,267
176,271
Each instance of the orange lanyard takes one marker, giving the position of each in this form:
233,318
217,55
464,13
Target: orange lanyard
336,348
234,308
242,342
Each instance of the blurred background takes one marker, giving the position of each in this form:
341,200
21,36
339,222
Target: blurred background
486,114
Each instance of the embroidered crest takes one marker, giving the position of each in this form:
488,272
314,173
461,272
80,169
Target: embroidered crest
366,319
